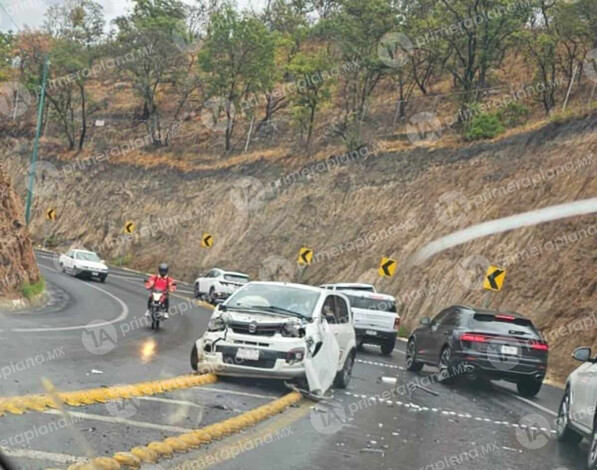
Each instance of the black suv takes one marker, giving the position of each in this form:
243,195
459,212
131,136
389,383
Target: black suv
485,344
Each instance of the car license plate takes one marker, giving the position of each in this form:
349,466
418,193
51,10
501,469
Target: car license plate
95,274
371,332
247,354
510,350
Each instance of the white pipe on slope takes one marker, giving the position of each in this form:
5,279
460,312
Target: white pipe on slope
538,216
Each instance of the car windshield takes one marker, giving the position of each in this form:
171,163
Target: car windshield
87,256
236,278
284,300
366,303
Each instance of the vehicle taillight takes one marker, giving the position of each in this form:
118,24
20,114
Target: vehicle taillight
505,317
473,338
397,324
540,346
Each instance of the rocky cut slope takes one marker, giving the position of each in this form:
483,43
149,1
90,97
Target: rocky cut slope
17,260
354,210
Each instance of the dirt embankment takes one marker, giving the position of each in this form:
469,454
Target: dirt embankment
17,261
354,210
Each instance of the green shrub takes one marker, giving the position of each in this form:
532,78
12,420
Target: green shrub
514,114
483,126
31,291
403,332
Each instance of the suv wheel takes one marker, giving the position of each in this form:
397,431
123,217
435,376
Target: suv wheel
565,432
212,296
592,459
446,368
388,347
343,377
529,388
411,357
197,293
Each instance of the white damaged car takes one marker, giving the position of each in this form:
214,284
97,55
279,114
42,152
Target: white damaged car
281,331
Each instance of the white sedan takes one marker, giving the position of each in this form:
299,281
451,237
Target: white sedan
577,415
280,331
217,285
81,263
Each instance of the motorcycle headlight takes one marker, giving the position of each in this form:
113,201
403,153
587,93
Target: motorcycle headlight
216,324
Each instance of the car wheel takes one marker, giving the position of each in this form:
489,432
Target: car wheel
194,359
343,377
197,293
103,279
388,347
564,432
592,458
529,388
447,374
62,268
212,296
411,357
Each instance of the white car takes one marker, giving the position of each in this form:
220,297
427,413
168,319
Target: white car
349,286
375,319
82,263
577,415
281,331
218,285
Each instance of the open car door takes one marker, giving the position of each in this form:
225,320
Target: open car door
323,353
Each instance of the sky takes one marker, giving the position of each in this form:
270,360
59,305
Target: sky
31,12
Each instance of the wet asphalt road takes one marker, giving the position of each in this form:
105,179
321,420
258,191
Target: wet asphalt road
383,420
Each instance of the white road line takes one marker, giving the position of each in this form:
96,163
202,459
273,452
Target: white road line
117,420
40,455
233,392
183,403
529,402
525,400
123,315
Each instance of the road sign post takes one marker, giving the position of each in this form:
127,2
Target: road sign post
304,260
40,113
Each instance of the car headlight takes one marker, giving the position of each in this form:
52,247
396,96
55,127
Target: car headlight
292,329
216,324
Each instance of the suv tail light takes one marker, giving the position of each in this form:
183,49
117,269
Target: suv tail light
397,324
505,317
540,346
473,338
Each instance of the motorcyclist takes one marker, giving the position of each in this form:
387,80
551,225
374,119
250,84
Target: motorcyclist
163,282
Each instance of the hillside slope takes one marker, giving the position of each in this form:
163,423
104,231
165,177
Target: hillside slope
352,213
17,261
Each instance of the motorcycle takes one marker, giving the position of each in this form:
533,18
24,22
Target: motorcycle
157,308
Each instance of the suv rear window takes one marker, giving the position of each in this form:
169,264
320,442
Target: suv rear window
236,278
372,304
504,325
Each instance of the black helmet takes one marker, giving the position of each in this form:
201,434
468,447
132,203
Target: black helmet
163,269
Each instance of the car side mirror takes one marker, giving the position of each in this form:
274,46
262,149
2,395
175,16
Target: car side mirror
582,354
426,321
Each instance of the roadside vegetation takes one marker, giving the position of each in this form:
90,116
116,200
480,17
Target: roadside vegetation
208,80
31,291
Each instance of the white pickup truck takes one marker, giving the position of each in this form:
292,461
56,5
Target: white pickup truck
375,319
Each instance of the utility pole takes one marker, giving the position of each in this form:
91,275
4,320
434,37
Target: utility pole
40,113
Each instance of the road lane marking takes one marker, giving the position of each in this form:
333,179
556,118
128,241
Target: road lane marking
19,405
123,315
40,455
381,364
156,451
118,420
441,412
234,392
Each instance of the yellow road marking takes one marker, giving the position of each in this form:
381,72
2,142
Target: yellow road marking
155,451
20,405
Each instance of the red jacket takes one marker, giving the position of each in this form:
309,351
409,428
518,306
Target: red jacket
161,283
